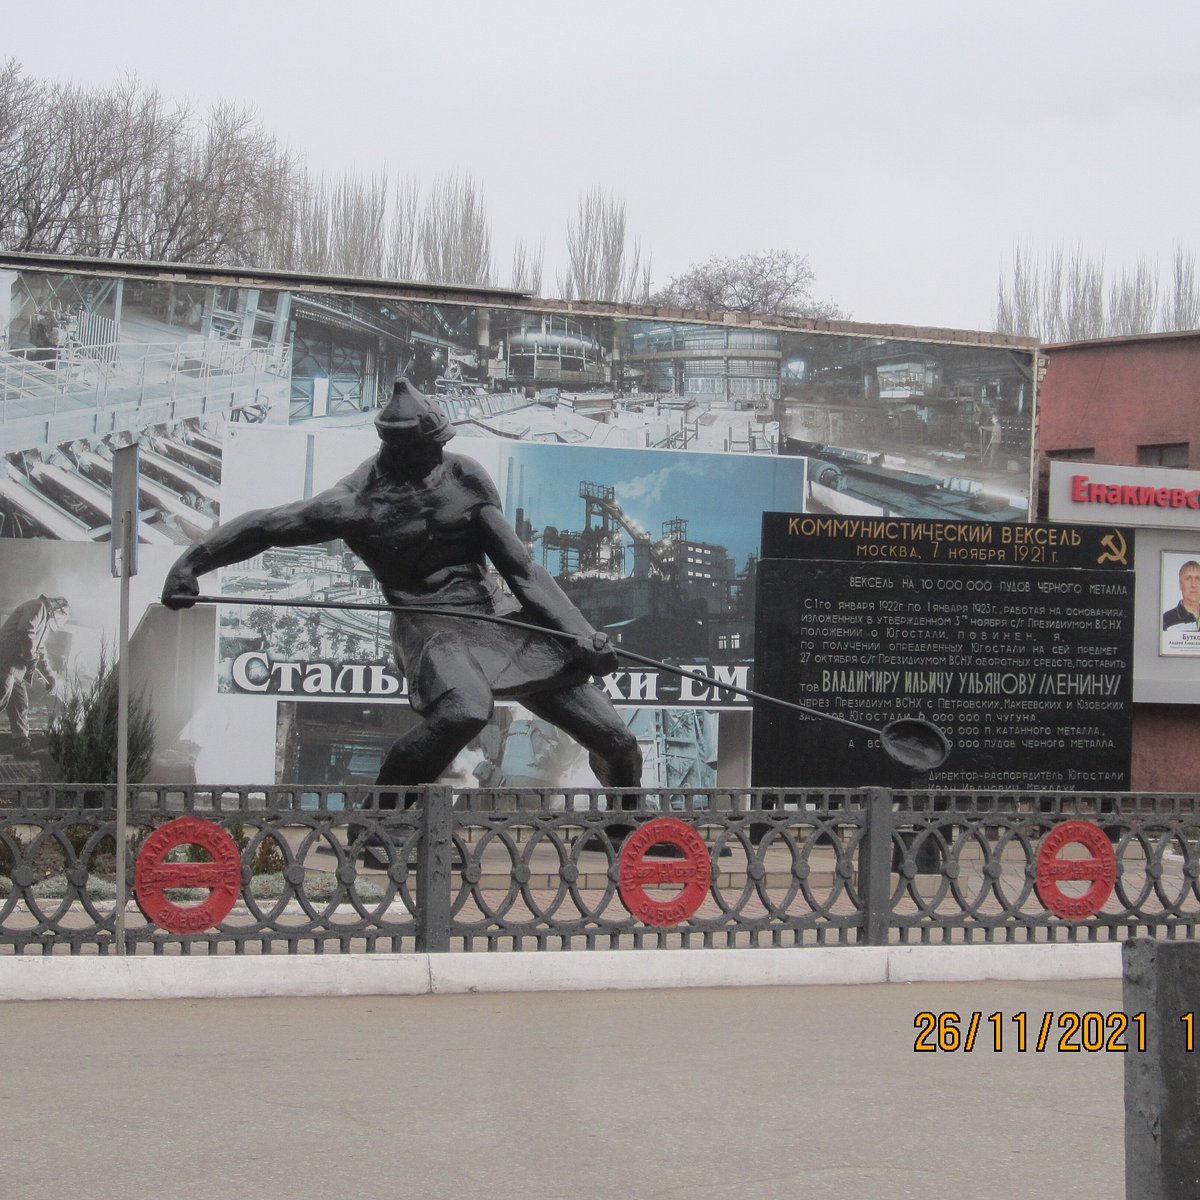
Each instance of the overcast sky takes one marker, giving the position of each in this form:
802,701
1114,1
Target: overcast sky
905,146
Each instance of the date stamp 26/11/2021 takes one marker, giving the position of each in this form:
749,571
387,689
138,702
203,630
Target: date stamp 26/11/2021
1066,1032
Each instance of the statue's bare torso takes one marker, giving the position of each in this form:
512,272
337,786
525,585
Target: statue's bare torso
422,537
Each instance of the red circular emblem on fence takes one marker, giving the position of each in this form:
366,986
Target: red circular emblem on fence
693,872
1099,867
223,876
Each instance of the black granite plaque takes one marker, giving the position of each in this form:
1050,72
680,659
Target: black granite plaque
1028,670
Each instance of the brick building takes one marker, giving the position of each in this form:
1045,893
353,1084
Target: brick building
1129,401
1132,402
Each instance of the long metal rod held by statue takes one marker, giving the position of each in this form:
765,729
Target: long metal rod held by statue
912,741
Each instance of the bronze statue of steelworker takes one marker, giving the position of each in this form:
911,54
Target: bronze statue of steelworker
423,522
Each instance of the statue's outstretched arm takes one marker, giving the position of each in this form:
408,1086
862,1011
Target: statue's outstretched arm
334,513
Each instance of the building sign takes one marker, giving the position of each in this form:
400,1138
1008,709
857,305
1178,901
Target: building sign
1146,497
1164,505
1088,491
1027,669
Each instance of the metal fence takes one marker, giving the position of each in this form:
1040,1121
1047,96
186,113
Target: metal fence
335,870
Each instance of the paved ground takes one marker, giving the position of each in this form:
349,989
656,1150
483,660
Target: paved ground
704,1094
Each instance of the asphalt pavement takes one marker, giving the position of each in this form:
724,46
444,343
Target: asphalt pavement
706,1094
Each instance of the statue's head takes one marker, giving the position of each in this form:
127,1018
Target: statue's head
410,421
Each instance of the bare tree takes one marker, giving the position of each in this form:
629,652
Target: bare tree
1133,300
213,200
454,240
1181,305
55,166
142,142
1069,296
1018,302
121,172
1082,297
400,257
601,264
278,233
776,283
360,212
527,268
341,228
18,99
311,248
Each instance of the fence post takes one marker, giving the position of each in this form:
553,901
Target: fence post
875,866
1162,1076
434,854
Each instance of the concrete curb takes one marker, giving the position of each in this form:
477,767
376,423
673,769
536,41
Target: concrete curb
55,977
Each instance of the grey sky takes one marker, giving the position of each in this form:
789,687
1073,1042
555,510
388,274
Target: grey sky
905,146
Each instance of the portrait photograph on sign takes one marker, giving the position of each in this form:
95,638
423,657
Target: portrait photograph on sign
1179,596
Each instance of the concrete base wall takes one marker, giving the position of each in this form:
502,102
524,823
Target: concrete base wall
51,977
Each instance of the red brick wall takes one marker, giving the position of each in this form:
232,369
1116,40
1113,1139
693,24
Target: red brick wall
1116,397
1166,748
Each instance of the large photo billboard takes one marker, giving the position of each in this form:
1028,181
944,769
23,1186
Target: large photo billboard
633,455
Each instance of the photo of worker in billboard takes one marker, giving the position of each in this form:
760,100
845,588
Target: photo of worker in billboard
24,661
54,627
1180,595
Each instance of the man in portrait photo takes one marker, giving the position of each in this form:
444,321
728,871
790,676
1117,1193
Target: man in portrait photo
1186,614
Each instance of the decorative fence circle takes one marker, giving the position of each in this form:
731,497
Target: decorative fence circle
1099,868
694,872
153,876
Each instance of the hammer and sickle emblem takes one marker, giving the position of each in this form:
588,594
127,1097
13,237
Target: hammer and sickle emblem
1116,550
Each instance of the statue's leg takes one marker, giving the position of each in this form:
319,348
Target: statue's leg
423,753
588,716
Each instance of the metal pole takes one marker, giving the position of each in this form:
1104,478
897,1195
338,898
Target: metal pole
913,741
123,728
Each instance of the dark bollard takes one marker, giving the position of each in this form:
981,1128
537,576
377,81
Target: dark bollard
1162,1083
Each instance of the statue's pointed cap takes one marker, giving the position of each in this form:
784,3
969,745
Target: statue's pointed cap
410,416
